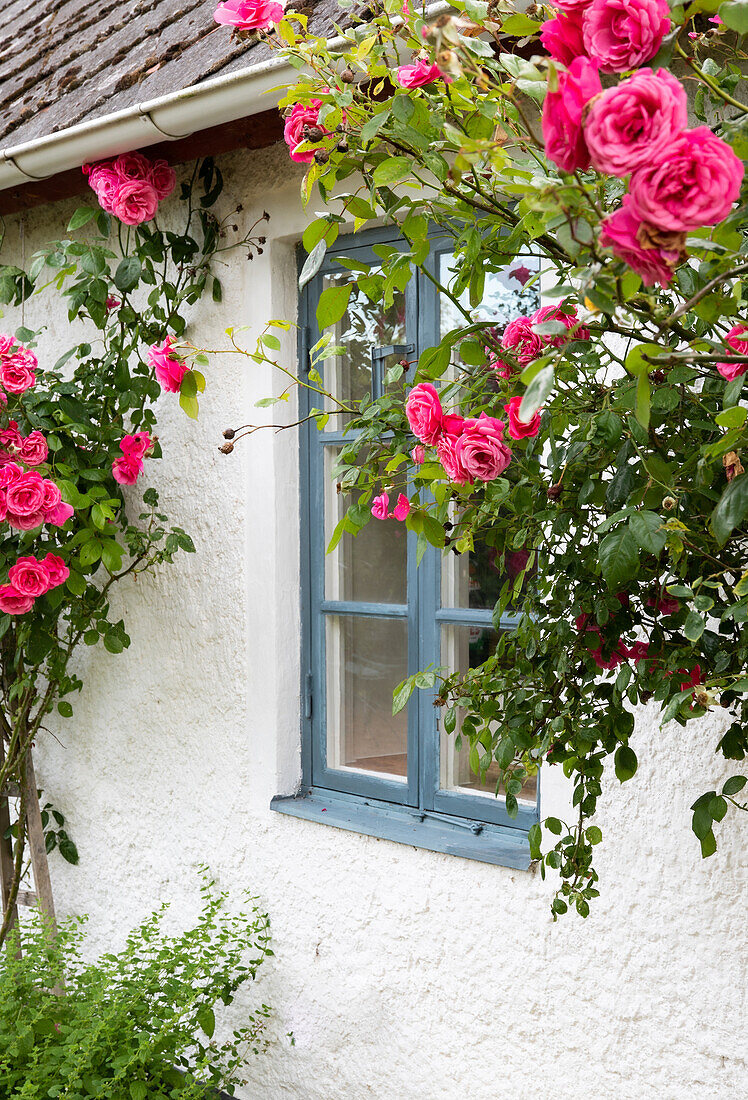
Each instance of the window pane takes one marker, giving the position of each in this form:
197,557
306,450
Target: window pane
506,294
464,647
366,659
475,579
369,566
364,325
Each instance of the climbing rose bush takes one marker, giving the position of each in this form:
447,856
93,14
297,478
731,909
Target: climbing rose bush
594,446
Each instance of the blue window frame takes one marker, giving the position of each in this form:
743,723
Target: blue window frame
372,616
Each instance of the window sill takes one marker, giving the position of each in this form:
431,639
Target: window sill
434,832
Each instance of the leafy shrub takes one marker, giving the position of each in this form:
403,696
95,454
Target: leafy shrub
137,1025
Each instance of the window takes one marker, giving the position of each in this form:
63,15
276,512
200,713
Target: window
371,616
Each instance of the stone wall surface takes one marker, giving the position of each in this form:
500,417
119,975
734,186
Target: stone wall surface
403,974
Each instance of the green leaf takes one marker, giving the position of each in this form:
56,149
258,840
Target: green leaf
731,509
702,819
519,25
734,14
643,399
190,405
76,583
402,694
534,836
648,530
732,418
111,555
82,215
138,1090
594,835
206,1020
619,557
65,709
694,626
625,763
734,784
128,273
536,393
313,263
553,825
333,302
718,808
708,845
391,170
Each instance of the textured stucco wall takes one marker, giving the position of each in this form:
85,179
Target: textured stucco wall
403,974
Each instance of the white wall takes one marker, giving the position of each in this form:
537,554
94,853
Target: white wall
403,974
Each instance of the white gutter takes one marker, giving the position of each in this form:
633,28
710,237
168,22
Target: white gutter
177,115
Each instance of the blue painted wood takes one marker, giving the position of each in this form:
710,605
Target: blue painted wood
383,806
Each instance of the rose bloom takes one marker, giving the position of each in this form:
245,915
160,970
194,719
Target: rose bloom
629,125
574,5
562,115
169,369
664,605
519,337
446,450
575,330
131,166
135,202
25,500
623,231
420,73
13,602
481,450
500,367
562,36
732,370
249,15
59,515
379,508
162,178
29,577
694,182
418,454
127,469
517,428
34,449
11,439
293,129
104,181
135,446
424,412
9,472
57,571
112,303
622,34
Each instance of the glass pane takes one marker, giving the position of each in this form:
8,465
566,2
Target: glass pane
370,566
507,293
464,647
364,325
476,579
366,659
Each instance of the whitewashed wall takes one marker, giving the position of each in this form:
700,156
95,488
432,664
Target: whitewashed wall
403,974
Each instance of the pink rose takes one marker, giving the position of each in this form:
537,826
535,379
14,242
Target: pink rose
664,605
731,369
293,129
418,454
170,370
112,303
423,409
249,15
574,5
16,376
632,241
104,181
402,508
131,166
11,439
693,183
622,34
481,450
446,450
13,602
619,654
499,366
575,330
26,501
380,506
517,428
135,446
422,72
57,571
59,515
518,335
639,651
135,202
127,469
162,178
29,577
694,680
562,37
628,126
9,472
562,115
34,449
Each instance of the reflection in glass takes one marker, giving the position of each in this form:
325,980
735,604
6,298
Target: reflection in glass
366,659
364,325
475,579
463,648
370,566
507,293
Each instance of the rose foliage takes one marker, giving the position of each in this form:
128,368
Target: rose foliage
602,436
75,431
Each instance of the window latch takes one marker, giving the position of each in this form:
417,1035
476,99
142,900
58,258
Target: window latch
475,827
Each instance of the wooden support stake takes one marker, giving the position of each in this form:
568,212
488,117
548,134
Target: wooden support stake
6,849
39,862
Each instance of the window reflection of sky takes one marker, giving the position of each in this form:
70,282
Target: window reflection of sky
507,294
